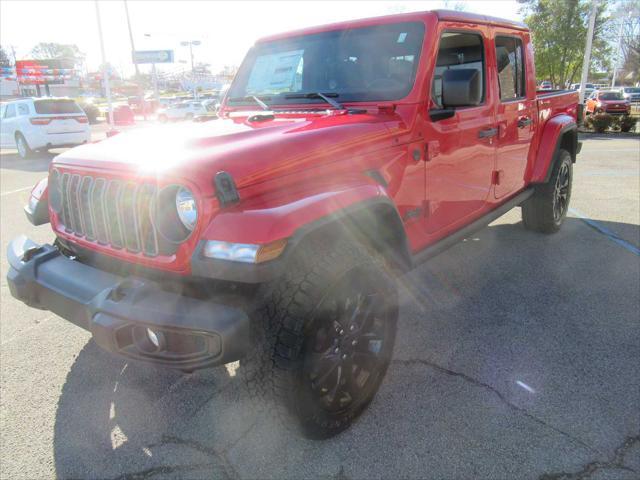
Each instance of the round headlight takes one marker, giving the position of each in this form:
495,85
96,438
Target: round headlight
175,213
186,207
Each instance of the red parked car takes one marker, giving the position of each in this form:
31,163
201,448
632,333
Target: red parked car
607,101
344,156
122,115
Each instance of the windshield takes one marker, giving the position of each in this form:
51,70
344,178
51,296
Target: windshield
363,64
610,96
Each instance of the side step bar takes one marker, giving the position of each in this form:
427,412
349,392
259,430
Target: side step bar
442,245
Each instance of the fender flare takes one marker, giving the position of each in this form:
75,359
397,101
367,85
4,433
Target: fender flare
558,131
296,220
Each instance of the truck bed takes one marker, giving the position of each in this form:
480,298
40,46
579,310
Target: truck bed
555,102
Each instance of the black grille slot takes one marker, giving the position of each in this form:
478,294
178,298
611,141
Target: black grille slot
148,236
74,205
97,207
111,207
66,216
110,212
85,207
129,212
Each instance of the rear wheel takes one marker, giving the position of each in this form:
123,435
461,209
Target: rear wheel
23,147
325,337
547,208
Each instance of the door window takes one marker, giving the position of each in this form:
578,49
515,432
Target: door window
10,112
509,58
23,109
458,50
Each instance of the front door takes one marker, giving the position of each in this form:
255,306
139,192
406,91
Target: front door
515,114
460,149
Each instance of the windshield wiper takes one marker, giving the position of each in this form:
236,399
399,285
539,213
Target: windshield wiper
324,96
263,105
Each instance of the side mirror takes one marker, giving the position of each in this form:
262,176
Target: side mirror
461,87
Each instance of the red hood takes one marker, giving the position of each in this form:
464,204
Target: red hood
250,151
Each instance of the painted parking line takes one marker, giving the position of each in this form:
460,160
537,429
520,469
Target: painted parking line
15,191
606,232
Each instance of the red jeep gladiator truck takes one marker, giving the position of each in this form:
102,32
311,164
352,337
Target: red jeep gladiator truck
343,156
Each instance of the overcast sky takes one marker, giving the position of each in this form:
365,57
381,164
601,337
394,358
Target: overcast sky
225,28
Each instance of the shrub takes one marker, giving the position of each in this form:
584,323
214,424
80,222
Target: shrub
627,122
599,122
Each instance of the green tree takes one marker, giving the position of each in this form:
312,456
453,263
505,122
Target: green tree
626,16
4,58
44,50
559,32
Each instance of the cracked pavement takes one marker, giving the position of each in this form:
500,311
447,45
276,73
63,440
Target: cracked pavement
517,357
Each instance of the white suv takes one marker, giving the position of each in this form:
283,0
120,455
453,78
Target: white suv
32,124
181,111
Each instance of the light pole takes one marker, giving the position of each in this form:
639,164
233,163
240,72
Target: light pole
587,50
135,64
154,76
191,44
105,68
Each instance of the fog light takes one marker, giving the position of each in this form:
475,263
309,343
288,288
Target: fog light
148,340
156,339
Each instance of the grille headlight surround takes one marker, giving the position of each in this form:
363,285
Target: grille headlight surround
175,213
55,190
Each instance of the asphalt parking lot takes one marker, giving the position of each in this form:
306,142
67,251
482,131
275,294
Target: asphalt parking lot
517,357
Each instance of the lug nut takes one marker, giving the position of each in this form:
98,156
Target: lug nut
354,343
341,332
336,350
344,355
352,328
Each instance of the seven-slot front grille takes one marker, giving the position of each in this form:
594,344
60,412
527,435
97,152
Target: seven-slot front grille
110,212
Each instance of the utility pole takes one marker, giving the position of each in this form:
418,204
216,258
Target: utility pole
15,68
105,72
133,48
191,44
586,62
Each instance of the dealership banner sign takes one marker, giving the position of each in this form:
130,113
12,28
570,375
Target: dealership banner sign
45,72
153,56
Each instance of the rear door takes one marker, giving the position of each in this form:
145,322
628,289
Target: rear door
460,149
515,113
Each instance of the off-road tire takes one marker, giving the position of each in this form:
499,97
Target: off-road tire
22,146
293,308
547,208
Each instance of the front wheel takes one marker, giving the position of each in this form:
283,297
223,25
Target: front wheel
23,147
327,335
547,208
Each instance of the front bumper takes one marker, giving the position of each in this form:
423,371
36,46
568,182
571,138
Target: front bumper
193,333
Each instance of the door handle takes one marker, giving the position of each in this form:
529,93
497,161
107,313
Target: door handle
524,121
487,133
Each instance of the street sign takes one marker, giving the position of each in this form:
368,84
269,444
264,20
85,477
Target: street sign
153,56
